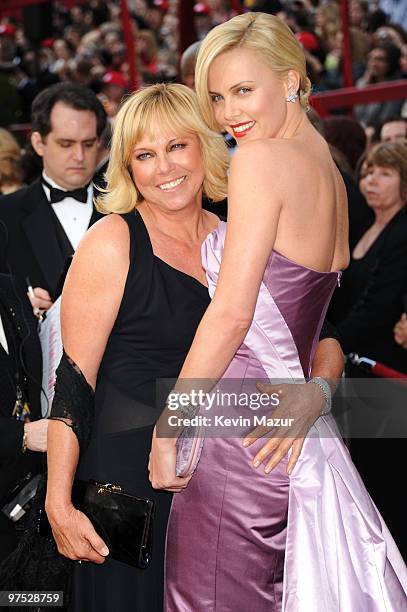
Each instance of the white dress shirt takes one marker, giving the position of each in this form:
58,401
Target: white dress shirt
74,216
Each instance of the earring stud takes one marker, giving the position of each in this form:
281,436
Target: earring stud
292,97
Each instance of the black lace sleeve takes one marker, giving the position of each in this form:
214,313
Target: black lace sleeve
74,401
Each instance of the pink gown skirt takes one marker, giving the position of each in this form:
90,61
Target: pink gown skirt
240,541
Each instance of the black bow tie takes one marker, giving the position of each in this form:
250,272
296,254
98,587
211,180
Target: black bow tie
57,195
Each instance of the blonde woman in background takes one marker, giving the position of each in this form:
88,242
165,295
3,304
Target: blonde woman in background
11,174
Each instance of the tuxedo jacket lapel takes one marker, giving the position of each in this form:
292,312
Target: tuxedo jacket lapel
39,229
12,294
95,214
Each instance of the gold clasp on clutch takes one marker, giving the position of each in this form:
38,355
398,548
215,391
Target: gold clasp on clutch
109,488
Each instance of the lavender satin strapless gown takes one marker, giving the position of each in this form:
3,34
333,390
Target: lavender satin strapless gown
240,541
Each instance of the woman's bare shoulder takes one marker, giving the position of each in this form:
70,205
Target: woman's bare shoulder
259,149
109,229
107,238
262,159
277,157
93,291
102,253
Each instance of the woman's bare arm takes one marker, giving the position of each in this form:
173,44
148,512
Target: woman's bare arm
254,211
91,299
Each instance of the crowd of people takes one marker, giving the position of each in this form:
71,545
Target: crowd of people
94,149
87,46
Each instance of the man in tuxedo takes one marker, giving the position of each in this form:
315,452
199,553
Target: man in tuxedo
46,220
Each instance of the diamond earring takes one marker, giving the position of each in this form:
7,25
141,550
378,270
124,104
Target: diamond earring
292,97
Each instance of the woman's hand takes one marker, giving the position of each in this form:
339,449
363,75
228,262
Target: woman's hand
303,404
37,435
162,463
75,535
400,331
40,301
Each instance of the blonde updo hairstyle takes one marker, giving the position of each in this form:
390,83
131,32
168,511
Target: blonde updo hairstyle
266,34
173,107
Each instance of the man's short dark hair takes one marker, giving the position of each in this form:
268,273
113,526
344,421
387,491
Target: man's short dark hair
393,119
392,56
73,95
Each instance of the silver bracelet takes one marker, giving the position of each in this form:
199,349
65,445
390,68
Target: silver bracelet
187,411
326,390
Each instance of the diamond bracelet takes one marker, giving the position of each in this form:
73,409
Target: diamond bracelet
326,390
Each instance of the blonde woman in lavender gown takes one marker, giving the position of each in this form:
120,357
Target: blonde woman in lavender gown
243,537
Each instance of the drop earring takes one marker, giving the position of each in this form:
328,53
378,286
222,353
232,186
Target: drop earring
292,97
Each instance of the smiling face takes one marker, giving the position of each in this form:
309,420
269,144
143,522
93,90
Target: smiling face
249,99
381,187
69,151
168,169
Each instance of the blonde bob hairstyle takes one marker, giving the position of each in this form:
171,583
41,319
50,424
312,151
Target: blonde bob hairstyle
266,34
173,107
390,155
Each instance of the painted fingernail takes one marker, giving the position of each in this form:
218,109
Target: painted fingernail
289,471
256,463
245,442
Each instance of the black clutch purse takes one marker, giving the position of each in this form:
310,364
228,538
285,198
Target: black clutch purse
124,522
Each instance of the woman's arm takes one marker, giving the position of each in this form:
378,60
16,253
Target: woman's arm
250,238
12,434
91,299
303,403
249,241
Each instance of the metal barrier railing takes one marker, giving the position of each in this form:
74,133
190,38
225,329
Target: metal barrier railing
347,97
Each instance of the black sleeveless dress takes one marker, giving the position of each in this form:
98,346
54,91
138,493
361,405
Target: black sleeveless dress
159,313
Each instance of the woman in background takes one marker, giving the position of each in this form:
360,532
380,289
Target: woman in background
366,309
372,288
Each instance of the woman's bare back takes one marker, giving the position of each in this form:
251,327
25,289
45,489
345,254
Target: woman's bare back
313,224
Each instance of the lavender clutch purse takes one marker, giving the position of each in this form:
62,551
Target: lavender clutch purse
189,448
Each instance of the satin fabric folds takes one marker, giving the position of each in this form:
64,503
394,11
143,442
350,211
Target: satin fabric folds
239,541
